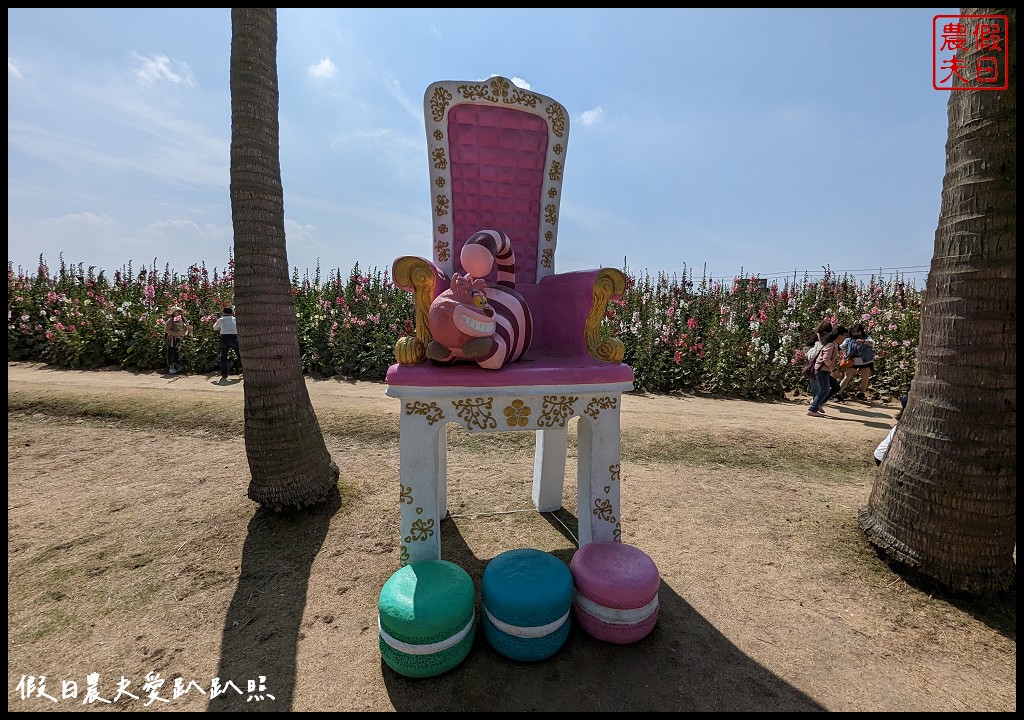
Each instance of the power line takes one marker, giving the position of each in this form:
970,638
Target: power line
903,270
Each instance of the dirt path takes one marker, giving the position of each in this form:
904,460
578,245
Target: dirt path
133,550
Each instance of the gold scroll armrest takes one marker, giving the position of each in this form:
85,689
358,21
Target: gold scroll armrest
420,277
610,283
580,299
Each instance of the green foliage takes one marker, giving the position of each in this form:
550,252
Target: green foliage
348,325
744,338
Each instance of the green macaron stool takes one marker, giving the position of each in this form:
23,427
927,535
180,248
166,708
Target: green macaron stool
426,618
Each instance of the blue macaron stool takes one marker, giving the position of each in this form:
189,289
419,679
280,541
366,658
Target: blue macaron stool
527,599
426,618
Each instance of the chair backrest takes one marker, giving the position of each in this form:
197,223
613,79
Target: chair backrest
497,159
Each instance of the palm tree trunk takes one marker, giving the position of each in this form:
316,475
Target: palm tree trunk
944,501
288,460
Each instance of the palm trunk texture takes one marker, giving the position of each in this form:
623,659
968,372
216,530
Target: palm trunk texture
288,459
944,501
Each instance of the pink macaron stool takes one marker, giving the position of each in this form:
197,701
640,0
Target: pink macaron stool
616,591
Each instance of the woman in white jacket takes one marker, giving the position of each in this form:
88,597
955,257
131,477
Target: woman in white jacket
883,447
228,328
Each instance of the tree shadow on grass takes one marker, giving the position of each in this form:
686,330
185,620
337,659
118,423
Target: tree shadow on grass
261,629
684,664
997,610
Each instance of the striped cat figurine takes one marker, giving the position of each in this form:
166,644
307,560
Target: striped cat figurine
489,324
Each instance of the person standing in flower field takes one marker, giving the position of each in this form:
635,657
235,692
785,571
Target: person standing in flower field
175,329
824,365
227,326
858,350
813,342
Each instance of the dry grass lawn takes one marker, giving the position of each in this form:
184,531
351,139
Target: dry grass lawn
133,552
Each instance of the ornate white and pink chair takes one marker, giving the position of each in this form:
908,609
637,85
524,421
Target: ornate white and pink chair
497,157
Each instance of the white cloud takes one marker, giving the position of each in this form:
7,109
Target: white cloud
182,242
12,69
323,70
394,88
175,226
160,68
591,117
79,222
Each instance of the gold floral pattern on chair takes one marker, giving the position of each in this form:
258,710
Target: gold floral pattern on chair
442,205
431,412
405,494
484,91
440,161
443,251
547,257
476,412
517,414
557,410
497,89
604,510
551,214
555,171
596,405
439,103
558,118
521,97
420,530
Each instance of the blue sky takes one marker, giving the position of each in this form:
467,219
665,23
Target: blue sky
763,141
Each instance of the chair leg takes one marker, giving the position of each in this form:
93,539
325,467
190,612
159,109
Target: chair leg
422,500
597,479
442,474
549,468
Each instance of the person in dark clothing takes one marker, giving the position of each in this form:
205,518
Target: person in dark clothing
228,328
